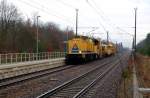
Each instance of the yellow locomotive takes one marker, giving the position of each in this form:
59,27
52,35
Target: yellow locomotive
108,49
83,49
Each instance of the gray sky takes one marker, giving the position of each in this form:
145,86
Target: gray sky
116,16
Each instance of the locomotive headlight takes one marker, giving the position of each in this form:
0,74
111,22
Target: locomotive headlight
80,52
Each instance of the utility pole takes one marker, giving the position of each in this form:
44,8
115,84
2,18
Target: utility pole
133,46
107,37
77,21
116,47
37,35
135,29
67,40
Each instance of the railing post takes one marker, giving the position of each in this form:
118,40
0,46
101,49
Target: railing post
11,58
21,57
36,56
54,54
45,55
42,56
48,55
6,58
29,56
25,56
64,54
32,57
39,56
58,54
0,59
16,57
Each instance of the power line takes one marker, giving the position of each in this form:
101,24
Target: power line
95,10
98,14
50,9
66,4
98,18
99,10
108,37
47,12
124,31
105,16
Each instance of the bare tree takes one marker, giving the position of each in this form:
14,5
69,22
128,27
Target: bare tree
18,35
8,17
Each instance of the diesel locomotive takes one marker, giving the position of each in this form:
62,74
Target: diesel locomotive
83,49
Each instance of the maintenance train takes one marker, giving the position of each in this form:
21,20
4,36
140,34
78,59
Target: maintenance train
83,49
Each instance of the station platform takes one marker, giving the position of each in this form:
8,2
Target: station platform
11,70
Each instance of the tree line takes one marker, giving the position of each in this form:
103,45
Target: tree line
19,35
144,46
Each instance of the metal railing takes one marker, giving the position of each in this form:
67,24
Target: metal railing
24,57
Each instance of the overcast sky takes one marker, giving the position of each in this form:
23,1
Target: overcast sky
115,16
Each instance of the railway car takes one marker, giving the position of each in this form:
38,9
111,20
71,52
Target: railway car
104,50
112,49
83,49
108,49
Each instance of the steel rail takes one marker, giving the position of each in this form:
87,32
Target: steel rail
33,75
84,90
68,83
88,87
21,78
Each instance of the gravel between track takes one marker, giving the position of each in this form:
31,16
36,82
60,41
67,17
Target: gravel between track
107,87
33,88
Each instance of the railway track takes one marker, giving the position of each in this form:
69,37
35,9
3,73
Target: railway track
34,86
89,90
22,78
74,88
25,77
106,87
